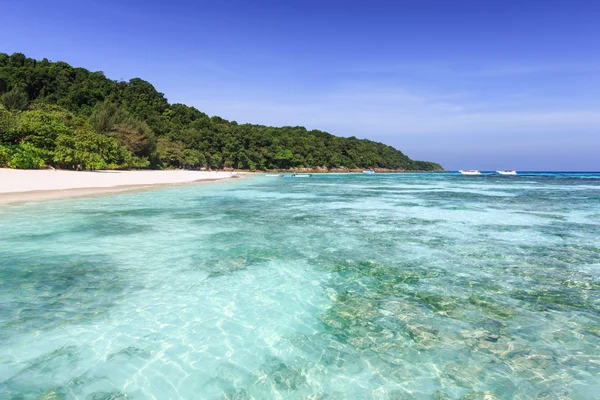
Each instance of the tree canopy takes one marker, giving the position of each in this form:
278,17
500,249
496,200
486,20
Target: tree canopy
54,114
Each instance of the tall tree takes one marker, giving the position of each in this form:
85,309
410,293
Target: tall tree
14,100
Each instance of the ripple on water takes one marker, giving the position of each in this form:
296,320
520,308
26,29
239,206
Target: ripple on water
416,286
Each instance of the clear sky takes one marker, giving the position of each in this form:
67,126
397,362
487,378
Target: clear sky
471,84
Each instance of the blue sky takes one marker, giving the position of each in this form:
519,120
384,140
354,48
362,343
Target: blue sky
470,84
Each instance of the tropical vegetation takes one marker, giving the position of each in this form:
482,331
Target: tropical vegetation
53,114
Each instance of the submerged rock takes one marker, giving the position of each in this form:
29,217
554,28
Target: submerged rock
424,336
443,304
239,394
327,396
131,352
234,373
116,395
439,395
400,395
491,308
464,375
474,395
52,395
286,377
594,330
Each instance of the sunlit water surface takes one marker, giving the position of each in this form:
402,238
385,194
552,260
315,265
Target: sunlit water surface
398,286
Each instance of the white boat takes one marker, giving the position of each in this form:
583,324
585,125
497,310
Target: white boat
274,175
368,171
507,172
469,172
301,175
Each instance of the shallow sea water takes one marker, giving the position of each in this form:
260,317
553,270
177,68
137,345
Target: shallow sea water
385,286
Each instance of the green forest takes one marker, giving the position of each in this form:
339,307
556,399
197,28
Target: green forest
53,114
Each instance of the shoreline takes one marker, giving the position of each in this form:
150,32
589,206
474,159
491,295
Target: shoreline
24,186
340,170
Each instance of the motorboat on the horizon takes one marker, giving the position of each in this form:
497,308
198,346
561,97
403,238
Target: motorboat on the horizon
368,171
507,172
274,175
301,175
469,172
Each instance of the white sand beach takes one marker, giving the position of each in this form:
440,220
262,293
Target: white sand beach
18,186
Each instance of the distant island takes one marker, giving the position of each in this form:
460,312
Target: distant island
53,114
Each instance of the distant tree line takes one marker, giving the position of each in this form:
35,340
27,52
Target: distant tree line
52,114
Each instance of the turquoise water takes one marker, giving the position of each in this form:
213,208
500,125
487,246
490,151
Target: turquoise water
397,286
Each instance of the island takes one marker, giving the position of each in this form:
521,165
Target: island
59,116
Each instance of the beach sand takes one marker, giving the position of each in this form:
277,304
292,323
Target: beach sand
18,186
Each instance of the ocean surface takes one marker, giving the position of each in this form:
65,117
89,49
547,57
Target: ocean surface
384,286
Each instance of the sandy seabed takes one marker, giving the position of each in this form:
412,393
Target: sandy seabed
17,186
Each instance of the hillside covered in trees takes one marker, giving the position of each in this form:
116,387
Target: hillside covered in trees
53,114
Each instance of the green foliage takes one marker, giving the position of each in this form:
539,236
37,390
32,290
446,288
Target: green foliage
41,128
215,160
16,99
23,156
82,117
193,158
427,166
143,100
8,126
169,153
106,116
135,135
5,154
91,150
